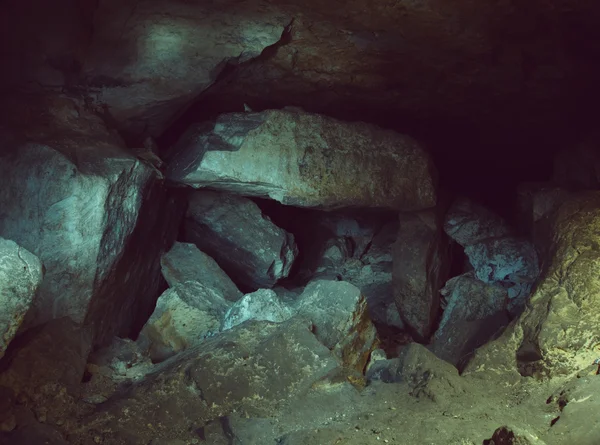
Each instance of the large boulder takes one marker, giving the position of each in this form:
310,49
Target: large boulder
252,250
421,266
184,316
558,332
97,218
254,369
340,318
185,262
20,277
305,159
147,61
474,312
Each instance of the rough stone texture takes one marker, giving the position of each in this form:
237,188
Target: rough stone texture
252,250
558,332
509,262
44,368
426,375
536,201
254,369
421,266
20,277
305,159
184,316
513,436
262,305
469,223
185,262
87,209
340,317
475,311
148,60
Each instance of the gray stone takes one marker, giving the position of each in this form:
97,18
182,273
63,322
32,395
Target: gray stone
147,61
427,375
509,262
475,311
421,265
469,223
185,315
255,369
252,250
20,277
339,314
307,160
95,216
262,305
185,262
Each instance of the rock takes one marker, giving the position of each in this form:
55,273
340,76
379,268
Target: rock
555,333
87,210
306,160
421,266
44,369
20,277
513,436
427,375
147,62
469,223
185,315
475,312
339,314
252,250
185,262
576,405
254,369
262,305
509,262
35,433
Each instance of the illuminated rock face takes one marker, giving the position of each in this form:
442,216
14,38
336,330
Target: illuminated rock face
558,332
74,197
306,160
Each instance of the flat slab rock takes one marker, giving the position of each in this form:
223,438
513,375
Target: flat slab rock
232,229
307,160
20,277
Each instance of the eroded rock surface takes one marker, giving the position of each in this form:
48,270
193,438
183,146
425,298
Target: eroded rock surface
305,159
20,277
262,305
252,250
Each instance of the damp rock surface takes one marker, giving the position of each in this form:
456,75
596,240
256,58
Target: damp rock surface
305,159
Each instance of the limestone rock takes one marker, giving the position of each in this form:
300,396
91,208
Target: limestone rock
87,210
340,317
262,305
474,313
252,250
147,61
185,314
557,332
185,262
20,277
421,266
254,369
469,223
305,159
